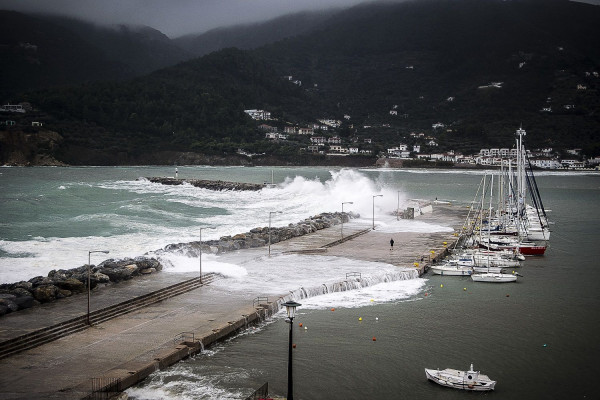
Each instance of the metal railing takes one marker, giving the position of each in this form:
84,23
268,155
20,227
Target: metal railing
353,275
260,393
184,337
260,300
104,388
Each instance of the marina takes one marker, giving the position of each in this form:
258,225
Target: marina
542,322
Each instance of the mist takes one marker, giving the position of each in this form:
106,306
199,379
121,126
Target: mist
175,17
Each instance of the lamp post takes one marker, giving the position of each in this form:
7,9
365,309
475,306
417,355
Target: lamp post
200,257
89,280
271,213
345,202
376,195
398,208
290,307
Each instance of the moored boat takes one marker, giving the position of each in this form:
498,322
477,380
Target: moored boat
494,277
465,380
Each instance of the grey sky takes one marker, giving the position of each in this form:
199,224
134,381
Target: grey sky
173,17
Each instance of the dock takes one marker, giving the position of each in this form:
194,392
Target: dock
122,351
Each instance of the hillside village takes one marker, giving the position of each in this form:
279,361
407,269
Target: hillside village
323,139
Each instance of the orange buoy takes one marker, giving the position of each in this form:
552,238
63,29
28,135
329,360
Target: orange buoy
374,339
300,324
425,294
333,309
508,295
294,345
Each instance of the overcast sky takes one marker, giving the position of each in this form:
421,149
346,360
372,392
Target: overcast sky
177,17
173,17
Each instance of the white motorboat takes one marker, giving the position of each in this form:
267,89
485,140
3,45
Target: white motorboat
466,380
452,268
494,277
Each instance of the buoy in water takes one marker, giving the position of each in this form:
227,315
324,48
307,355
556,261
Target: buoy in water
294,345
425,294
300,324
306,328
507,295
441,285
464,288
376,318
374,339
360,318
333,309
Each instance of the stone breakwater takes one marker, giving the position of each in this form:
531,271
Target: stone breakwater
207,184
64,283
259,237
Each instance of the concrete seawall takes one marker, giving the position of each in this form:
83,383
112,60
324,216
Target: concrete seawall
129,348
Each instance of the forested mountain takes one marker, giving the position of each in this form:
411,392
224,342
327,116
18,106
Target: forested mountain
255,35
39,51
432,59
480,68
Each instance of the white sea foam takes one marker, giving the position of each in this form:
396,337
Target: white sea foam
136,217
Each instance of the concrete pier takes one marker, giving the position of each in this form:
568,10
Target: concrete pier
132,346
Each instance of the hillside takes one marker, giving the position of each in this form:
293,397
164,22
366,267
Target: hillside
419,55
252,36
38,51
480,68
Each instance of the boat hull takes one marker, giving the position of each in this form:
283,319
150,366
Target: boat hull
454,379
494,278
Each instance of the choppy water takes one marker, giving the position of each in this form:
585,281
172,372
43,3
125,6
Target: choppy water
539,342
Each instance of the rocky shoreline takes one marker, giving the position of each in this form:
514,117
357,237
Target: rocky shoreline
65,283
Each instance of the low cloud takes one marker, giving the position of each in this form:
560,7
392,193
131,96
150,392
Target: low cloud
174,17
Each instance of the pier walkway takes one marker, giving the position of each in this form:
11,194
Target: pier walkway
131,346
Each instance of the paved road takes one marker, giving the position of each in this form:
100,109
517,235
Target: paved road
63,369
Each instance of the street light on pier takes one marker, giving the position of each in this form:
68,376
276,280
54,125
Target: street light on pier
271,213
345,202
398,208
200,256
89,280
375,195
290,307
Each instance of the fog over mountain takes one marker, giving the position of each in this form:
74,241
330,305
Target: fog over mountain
175,17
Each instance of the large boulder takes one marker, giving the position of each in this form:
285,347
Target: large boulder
25,302
45,293
72,285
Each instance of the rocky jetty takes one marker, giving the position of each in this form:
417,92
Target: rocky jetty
208,184
64,283
259,237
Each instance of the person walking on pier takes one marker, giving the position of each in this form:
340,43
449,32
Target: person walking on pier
391,244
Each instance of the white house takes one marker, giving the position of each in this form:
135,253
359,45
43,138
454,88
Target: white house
306,131
334,140
546,163
318,140
258,114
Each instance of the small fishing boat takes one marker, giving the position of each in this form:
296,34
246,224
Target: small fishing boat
466,380
494,277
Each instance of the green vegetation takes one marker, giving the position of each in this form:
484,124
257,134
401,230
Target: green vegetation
428,61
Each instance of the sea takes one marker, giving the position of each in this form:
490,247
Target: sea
536,337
